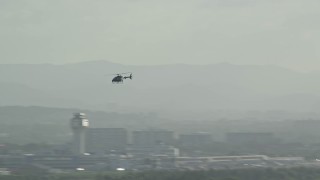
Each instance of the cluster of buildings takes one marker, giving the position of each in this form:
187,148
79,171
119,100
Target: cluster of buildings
115,149
101,141
150,142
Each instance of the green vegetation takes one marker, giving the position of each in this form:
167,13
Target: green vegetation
242,174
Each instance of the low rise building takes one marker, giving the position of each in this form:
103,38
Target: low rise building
152,137
251,137
195,139
106,140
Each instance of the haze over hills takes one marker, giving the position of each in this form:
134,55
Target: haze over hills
164,89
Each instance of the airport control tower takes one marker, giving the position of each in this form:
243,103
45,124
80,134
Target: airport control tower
79,123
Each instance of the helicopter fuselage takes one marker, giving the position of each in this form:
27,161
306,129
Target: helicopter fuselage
117,79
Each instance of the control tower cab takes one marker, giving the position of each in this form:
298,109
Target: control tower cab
79,121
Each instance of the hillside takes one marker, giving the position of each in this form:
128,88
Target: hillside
164,89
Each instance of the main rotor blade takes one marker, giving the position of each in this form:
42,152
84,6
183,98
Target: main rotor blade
120,73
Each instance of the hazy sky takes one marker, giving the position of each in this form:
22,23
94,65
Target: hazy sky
279,32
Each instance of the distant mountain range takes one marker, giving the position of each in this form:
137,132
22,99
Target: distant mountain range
166,89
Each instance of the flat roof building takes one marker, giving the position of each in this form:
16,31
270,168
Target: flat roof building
250,137
152,137
195,139
106,140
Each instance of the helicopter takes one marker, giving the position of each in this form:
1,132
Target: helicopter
119,78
